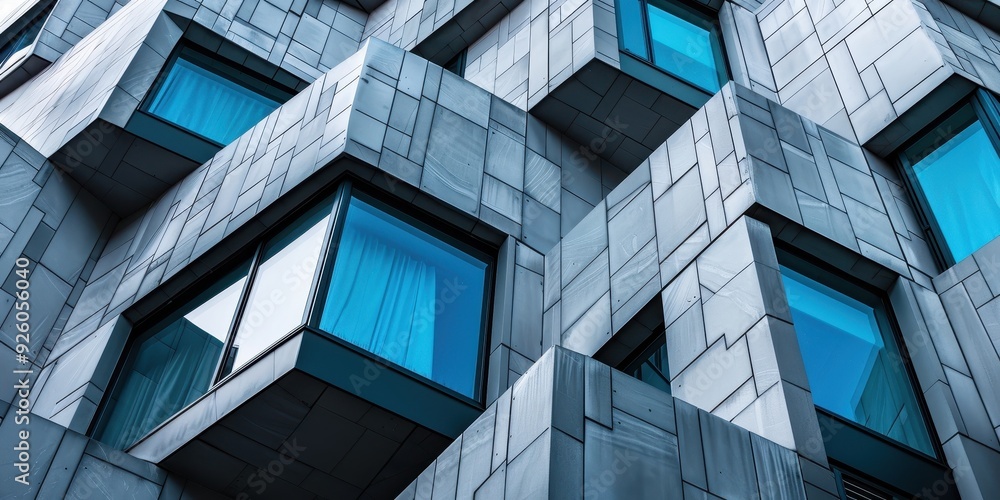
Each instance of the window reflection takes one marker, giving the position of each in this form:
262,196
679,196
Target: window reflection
174,364
852,361
280,292
957,174
676,39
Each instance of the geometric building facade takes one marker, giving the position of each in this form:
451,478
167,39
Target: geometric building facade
500,249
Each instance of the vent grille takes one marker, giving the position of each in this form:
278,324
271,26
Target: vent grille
855,489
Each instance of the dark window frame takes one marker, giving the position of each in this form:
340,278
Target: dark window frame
337,198
663,79
987,111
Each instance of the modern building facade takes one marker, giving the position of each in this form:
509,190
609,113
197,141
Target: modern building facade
445,249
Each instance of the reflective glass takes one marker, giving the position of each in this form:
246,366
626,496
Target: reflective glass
23,39
957,171
172,365
207,103
852,361
279,293
685,45
633,28
653,370
408,297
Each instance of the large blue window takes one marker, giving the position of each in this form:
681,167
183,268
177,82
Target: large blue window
210,99
400,292
854,365
955,172
676,39
408,296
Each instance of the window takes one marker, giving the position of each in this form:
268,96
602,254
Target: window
676,39
397,290
854,365
210,99
651,365
457,64
19,40
954,171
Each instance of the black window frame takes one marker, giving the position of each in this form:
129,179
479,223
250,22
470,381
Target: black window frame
338,199
987,110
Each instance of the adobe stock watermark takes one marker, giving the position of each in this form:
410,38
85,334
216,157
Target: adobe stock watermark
22,370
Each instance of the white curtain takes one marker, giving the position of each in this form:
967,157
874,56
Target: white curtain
208,104
382,300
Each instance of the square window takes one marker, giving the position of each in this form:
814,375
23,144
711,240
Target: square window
852,360
954,171
409,297
675,38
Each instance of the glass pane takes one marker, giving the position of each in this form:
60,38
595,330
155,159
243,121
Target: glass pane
280,291
957,170
633,28
654,370
172,365
207,103
853,364
685,46
23,39
407,297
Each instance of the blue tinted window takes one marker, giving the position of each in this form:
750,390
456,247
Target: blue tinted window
956,170
408,297
674,38
208,103
632,28
173,364
852,361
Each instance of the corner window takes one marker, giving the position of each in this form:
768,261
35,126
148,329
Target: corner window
210,99
396,290
854,365
16,41
954,171
675,38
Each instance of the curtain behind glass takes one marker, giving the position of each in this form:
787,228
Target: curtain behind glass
172,366
208,104
375,295
404,293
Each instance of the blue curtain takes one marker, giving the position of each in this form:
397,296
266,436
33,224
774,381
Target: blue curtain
170,370
378,300
208,104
